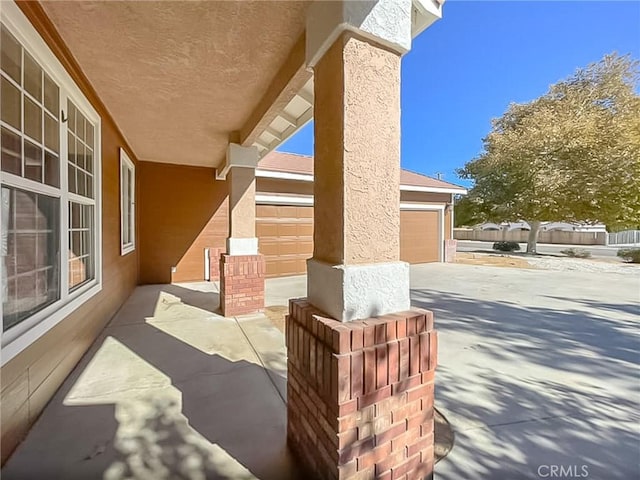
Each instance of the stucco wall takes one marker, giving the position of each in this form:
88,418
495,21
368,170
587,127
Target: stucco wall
183,210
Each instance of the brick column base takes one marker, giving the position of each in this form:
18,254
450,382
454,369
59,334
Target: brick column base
241,284
450,249
360,394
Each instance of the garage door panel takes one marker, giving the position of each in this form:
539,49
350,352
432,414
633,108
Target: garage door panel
264,229
285,235
420,236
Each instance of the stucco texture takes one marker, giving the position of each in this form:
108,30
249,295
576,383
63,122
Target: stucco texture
179,77
242,202
357,167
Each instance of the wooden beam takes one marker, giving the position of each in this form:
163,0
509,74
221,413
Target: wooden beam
289,80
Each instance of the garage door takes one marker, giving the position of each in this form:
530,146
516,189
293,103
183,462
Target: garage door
420,236
285,238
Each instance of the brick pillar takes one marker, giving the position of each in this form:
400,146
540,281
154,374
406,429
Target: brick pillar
450,249
360,394
241,284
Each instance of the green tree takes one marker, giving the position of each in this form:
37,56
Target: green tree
571,155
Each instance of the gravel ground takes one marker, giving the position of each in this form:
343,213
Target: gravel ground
565,264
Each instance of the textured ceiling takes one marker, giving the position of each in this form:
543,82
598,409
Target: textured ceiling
178,77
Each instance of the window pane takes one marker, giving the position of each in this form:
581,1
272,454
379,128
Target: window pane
10,99
51,133
32,77
51,96
90,134
81,254
11,146
79,154
81,183
51,169
32,120
88,160
90,192
71,143
32,161
29,263
71,172
71,122
11,55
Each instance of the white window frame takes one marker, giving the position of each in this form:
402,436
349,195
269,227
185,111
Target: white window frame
19,337
127,203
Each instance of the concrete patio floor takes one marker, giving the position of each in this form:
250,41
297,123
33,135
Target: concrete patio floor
536,369
169,390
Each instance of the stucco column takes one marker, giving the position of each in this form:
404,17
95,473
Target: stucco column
355,271
242,267
361,362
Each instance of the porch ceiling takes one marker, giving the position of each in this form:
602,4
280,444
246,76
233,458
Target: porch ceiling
179,77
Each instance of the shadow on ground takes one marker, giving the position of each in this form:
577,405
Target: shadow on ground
151,401
526,387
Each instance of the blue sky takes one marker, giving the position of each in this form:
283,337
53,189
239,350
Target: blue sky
466,68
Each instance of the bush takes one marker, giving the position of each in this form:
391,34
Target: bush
506,246
576,253
631,255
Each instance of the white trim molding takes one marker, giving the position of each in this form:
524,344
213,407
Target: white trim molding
242,246
417,188
303,177
127,203
238,156
354,292
265,199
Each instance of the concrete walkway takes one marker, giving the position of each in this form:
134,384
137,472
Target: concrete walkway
169,390
537,370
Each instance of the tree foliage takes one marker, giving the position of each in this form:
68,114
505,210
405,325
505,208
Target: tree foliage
571,155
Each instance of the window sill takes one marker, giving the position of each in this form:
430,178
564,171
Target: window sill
127,249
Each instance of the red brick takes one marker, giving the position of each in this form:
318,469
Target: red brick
344,377
404,358
407,383
357,374
380,333
414,355
394,431
356,449
405,411
374,456
422,443
403,468
369,370
394,361
424,351
341,339
391,460
347,438
369,335
420,324
433,350
420,392
326,368
401,328
412,435
371,398
428,320
382,366
357,337
411,326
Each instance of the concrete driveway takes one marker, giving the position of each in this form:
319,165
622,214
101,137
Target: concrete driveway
538,371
